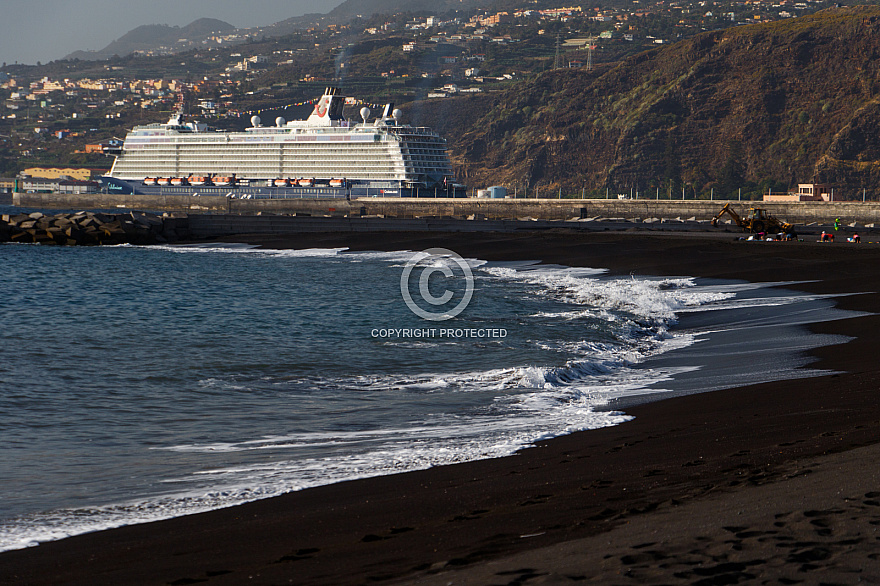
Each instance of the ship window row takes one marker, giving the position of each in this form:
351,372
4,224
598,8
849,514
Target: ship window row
248,152
398,176
267,170
156,144
262,170
423,158
264,156
423,143
209,161
258,140
286,159
362,160
197,166
273,170
275,163
326,146
438,154
424,150
359,177
312,148
171,160
424,147
423,139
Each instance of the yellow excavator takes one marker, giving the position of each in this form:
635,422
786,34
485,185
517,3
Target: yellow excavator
757,220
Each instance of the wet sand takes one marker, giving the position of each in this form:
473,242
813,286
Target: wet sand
774,482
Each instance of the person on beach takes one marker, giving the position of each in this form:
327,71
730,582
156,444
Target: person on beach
836,224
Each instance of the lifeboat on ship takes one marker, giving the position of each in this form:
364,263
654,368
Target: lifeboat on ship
224,180
337,183
305,182
282,183
178,181
150,181
164,181
199,180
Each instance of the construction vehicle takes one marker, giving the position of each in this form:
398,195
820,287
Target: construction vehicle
757,221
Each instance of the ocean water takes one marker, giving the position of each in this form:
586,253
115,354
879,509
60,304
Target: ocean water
141,383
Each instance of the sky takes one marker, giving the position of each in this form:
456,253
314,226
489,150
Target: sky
45,30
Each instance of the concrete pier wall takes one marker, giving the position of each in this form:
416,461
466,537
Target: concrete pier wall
549,209
546,209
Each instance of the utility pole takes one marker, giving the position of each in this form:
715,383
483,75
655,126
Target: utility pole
556,61
590,42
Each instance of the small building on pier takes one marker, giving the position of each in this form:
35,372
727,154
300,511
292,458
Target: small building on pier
805,192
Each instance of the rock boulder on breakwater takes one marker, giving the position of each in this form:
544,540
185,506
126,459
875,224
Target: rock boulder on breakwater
88,228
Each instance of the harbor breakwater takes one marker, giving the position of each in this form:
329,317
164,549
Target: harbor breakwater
803,213
140,228
89,228
84,228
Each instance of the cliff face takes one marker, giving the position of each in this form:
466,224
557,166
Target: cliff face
795,101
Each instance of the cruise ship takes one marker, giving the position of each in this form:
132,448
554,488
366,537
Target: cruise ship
325,155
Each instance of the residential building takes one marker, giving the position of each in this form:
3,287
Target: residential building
82,174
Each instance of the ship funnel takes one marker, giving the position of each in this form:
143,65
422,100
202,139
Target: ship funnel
387,112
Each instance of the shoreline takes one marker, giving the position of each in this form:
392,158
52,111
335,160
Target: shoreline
398,527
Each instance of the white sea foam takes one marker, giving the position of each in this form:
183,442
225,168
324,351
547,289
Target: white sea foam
555,401
417,447
232,248
657,299
531,402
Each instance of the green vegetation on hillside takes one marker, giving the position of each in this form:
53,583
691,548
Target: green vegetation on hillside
749,107
728,109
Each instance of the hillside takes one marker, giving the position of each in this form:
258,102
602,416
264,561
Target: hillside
367,8
792,101
153,36
163,38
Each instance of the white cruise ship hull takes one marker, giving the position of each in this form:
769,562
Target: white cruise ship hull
323,156
240,191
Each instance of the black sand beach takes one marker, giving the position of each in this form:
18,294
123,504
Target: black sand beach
776,482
